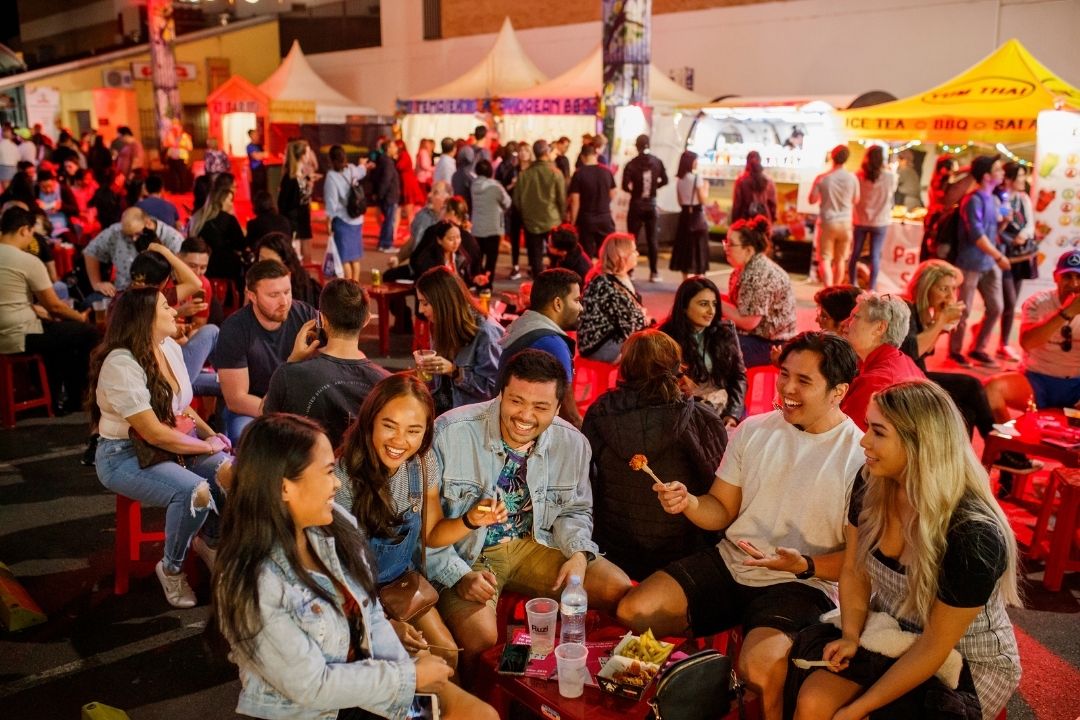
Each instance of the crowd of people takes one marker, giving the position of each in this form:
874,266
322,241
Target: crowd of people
326,477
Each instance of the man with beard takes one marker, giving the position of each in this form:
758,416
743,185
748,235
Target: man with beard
270,330
555,308
514,448
781,490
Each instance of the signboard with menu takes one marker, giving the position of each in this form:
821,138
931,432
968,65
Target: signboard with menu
1056,191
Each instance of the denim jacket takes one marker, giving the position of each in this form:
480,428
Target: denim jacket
479,364
301,669
469,451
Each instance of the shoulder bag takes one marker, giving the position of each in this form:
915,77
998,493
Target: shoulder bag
149,454
699,687
410,595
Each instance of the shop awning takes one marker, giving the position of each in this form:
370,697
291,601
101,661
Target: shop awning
997,100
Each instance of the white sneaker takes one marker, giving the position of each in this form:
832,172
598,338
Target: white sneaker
1006,352
204,551
177,591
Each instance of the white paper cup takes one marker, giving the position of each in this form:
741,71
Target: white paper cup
542,615
570,659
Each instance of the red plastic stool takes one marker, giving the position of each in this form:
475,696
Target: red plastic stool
761,388
592,378
9,405
1059,549
129,538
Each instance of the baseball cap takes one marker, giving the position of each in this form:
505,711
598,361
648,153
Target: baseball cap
1069,262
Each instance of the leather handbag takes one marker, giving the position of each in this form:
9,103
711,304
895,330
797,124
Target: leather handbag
149,454
699,687
410,595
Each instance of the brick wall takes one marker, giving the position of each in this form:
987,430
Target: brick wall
475,17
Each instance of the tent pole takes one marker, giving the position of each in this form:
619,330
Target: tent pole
997,26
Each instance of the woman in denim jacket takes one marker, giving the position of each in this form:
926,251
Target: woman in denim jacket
391,484
296,597
466,368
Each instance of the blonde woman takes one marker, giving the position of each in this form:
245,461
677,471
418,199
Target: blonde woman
935,308
294,195
220,229
928,545
612,306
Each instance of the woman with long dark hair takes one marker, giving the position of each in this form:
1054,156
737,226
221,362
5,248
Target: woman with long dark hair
928,548
219,228
648,413
443,249
295,595
690,256
391,485
276,246
713,363
754,193
140,387
466,368
872,212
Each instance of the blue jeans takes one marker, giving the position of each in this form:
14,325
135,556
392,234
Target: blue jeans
877,241
197,351
756,351
386,232
234,424
166,485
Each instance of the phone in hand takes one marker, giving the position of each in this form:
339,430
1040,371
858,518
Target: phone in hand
199,296
515,656
317,333
425,706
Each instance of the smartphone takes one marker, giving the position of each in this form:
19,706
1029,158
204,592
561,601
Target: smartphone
750,549
318,332
199,296
425,706
514,659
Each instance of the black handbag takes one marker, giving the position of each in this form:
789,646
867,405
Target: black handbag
700,687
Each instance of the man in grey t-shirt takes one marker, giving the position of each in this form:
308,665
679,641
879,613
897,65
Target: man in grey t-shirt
837,190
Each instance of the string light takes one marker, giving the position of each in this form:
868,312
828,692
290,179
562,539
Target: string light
905,146
1000,147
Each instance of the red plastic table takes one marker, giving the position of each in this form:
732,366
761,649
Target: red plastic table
382,294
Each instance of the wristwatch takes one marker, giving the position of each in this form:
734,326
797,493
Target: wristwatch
809,571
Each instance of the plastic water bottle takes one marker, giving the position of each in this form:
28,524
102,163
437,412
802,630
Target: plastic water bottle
573,607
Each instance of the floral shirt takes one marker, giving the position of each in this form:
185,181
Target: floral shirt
611,312
513,489
763,288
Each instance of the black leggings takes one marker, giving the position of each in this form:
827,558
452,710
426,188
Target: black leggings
65,346
970,397
647,218
489,248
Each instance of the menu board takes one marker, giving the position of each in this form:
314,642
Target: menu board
1055,191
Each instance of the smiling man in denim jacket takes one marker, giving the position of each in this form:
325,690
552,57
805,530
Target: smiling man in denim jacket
514,448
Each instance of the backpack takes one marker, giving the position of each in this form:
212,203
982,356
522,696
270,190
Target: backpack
945,235
759,203
356,202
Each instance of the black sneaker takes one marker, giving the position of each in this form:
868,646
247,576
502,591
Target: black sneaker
90,452
1017,463
984,359
960,360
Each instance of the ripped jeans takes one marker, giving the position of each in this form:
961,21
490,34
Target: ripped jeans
170,486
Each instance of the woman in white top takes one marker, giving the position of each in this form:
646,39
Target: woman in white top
690,256
138,378
872,212
346,231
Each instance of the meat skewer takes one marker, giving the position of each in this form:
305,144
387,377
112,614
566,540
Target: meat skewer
640,462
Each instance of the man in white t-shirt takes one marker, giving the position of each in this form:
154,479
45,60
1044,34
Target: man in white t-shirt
838,191
784,482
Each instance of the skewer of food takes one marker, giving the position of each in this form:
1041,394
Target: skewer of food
640,462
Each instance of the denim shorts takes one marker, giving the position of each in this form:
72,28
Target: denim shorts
1054,392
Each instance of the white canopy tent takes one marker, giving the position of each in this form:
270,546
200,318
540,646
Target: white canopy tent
456,108
298,94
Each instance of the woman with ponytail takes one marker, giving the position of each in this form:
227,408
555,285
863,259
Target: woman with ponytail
761,300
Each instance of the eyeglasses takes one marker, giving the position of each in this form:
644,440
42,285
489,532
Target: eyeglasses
1066,338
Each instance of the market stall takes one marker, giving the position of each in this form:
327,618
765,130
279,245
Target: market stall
456,108
996,105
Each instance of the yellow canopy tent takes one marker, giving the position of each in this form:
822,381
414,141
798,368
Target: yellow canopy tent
996,101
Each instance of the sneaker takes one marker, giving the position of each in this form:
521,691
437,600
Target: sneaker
90,453
984,359
177,591
655,278
1017,463
204,551
515,273
1005,352
388,251
1006,430
960,360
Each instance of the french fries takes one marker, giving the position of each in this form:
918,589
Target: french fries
646,649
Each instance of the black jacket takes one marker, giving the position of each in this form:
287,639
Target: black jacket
386,181
633,179
683,441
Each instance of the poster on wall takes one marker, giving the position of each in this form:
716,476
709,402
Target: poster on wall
43,106
1055,192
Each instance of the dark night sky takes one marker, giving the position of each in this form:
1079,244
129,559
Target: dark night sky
9,23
